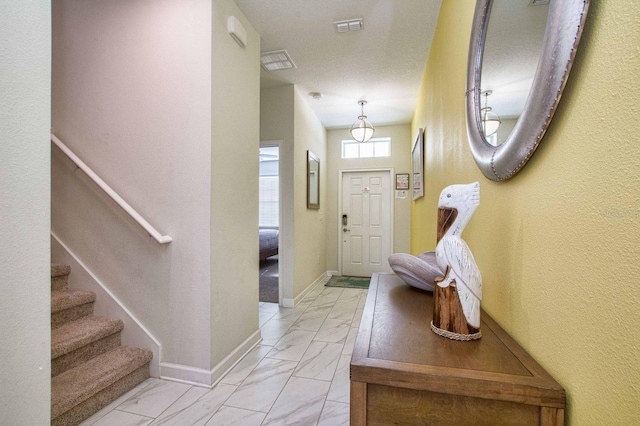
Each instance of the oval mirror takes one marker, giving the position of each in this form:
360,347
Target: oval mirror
516,75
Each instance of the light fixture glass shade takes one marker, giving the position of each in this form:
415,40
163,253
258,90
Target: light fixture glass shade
490,121
362,130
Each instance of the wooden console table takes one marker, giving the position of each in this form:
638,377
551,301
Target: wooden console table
404,374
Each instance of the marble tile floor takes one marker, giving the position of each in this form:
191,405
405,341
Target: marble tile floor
297,375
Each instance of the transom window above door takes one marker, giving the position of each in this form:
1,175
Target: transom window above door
378,147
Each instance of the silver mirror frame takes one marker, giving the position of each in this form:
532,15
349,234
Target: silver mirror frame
561,38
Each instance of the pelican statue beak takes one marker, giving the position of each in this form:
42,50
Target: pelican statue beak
446,217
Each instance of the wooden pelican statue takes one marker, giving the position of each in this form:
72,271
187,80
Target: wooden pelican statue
457,296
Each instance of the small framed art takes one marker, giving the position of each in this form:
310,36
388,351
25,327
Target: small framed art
402,180
417,165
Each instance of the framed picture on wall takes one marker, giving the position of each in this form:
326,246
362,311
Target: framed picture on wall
417,165
402,180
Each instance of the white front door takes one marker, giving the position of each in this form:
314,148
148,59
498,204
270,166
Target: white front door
365,223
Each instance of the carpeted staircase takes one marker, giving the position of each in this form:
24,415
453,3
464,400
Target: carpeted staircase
89,367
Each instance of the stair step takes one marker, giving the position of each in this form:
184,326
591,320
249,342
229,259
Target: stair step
70,305
59,275
79,341
78,393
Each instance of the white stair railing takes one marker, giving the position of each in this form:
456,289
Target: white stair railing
162,239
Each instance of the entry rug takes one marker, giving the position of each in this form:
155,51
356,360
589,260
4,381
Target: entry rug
348,282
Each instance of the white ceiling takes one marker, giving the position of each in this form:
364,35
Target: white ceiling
512,50
382,64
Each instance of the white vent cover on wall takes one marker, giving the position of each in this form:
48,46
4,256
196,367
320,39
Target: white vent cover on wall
348,25
237,31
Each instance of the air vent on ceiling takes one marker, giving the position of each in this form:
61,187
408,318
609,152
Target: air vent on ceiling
538,2
348,25
276,60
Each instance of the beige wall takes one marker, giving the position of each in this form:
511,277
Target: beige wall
276,124
557,244
161,102
25,90
309,224
285,116
400,161
235,141
122,103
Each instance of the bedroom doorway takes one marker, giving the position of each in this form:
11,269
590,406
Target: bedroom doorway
269,223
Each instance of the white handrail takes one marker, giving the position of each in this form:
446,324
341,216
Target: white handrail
162,239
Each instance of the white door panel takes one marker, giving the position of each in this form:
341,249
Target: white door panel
366,238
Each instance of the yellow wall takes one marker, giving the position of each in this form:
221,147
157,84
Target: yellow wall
558,243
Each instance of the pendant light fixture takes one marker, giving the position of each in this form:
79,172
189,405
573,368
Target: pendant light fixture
362,130
490,120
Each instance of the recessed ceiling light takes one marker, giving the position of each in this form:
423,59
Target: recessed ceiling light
276,60
348,25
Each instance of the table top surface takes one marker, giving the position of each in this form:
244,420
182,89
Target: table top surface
401,332
396,347
395,335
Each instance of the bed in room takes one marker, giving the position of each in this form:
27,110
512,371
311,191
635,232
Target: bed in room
268,243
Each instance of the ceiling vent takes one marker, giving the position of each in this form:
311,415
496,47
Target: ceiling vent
348,25
276,60
538,2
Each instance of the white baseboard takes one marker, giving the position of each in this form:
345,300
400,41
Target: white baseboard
107,304
185,374
209,378
332,273
291,303
288,303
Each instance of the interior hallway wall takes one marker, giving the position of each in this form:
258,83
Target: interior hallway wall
235,144
161,102
557,244
400,161
309,225
276,123
25,288
131,97
286,116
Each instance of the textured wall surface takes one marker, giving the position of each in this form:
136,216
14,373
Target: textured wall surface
400,161
309,224
557,244
276,125
25,110
286,117
235,143
131,97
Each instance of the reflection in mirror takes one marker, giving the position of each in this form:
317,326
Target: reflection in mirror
512,49
313,181
534,110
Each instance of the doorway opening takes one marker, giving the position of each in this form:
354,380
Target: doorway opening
269,223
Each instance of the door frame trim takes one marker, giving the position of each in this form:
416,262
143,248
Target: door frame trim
281,270
341,174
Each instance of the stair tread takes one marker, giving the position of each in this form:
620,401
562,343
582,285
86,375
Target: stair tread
65,299
81,332
60,269
70,388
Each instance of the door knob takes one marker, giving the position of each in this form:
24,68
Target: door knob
345,230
